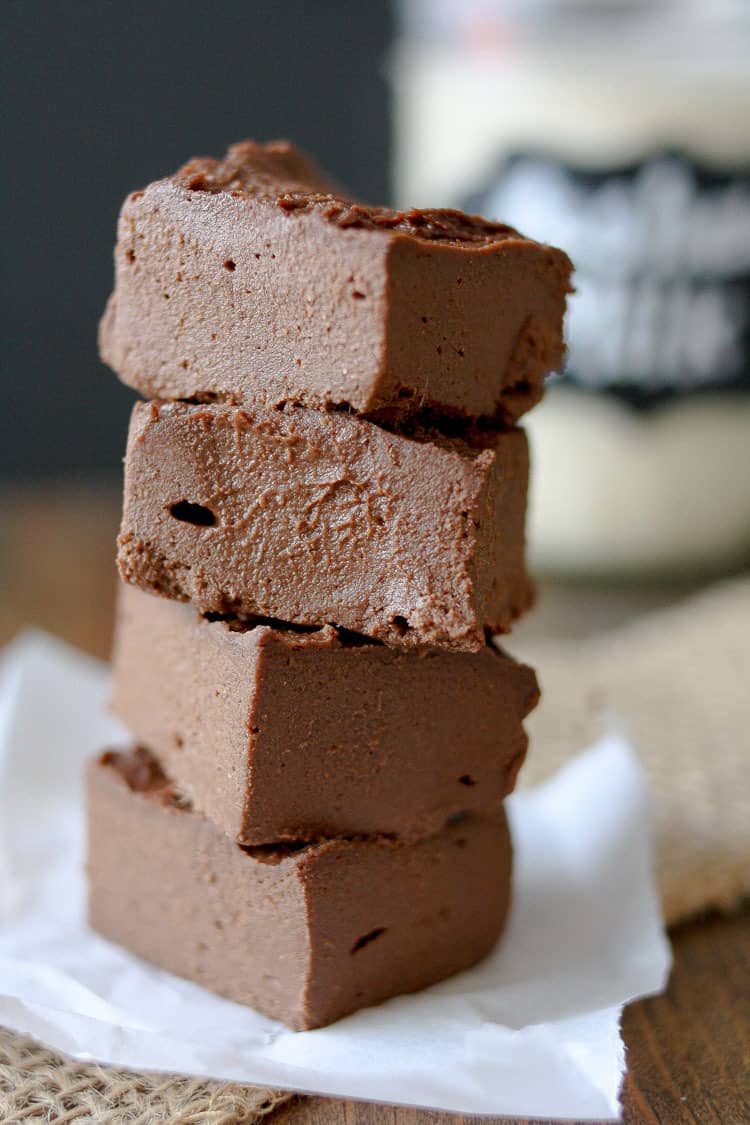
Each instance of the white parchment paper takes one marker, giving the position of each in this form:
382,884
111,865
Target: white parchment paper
533,1031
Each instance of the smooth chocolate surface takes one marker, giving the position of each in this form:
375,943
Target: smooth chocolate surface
305,935
248,279
318,519
281,735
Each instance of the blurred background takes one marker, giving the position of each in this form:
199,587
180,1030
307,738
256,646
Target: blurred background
615,129
100,98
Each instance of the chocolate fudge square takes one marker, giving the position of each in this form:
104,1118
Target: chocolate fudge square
323,518
304,934
249,279
281,734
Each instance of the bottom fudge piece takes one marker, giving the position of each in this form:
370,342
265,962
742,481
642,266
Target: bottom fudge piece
277,734
305,934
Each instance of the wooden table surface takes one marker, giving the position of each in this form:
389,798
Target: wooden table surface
688,1051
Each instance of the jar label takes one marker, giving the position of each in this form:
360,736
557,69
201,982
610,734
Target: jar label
662,256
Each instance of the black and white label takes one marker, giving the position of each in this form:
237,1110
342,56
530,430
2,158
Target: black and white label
662,256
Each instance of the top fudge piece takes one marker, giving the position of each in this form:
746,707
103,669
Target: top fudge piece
249,280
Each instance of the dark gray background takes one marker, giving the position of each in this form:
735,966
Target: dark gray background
98,98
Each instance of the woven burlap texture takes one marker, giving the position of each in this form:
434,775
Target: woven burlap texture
677,684
39,1085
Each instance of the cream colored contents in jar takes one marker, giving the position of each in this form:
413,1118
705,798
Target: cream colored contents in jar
620,135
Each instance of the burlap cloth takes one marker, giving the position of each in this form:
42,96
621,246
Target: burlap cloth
40,1085
675,682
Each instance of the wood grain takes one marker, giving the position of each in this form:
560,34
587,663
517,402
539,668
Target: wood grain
688,1051
57,568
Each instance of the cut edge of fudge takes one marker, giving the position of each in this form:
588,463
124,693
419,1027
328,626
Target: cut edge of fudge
210,489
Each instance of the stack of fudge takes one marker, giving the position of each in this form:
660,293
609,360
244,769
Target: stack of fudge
323,525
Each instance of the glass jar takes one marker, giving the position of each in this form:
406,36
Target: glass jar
620,132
